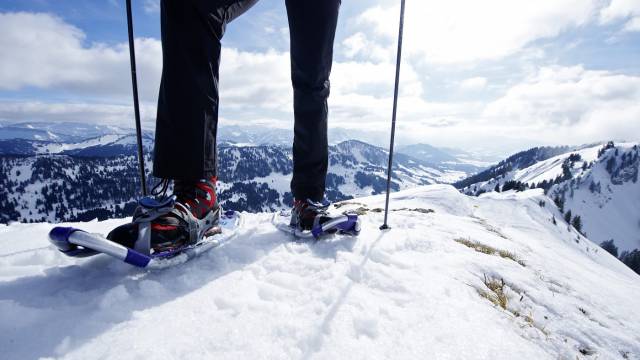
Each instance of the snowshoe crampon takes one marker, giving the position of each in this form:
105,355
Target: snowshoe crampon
131,242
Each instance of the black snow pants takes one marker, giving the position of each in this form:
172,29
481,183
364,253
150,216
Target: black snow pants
187,118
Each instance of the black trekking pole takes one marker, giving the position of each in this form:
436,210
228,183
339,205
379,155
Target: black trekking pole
393,117
136,106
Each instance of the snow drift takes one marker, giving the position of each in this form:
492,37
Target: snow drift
456,277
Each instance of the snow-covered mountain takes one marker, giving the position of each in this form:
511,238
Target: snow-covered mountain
256,178
242,135
456,277
57,131
97,177
82,183
452,159
55,138
596,186
105,145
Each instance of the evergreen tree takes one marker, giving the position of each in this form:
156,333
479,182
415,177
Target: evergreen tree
577,223
566,171
631,259
567,216
611,164
497,188
610,247
559,203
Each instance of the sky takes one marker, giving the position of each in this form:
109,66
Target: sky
496,75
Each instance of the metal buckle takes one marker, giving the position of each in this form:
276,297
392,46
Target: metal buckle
150,209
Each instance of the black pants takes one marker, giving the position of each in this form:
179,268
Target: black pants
187,119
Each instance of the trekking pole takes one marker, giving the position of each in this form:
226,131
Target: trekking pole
136,106
393,117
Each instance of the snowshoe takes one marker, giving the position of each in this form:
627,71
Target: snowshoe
160,230
311,219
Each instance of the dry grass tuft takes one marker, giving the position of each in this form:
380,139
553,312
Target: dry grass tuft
477,246
509,255
344,203
363,209
420,210
360,211
489,250
496,294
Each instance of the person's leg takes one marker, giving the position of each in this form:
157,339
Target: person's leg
312,26
187,119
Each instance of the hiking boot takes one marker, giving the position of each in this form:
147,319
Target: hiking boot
195,200
306,213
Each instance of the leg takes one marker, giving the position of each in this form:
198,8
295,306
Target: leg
187,119
312,26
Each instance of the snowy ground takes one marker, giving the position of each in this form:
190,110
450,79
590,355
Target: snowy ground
410,293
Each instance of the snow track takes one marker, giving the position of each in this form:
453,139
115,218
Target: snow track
411,292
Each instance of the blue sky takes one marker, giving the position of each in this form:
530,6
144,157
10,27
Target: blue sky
498,75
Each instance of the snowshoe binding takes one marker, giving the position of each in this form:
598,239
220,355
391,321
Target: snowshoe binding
311,219
195,214
182,220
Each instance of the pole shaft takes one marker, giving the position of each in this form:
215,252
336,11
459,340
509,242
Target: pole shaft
393,117
136,106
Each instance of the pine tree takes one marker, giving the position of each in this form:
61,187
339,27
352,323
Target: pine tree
610,247
577,223
567,216
566,171
631,259
559,203
611,164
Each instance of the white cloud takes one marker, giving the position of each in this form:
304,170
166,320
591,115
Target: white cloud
626,10
151,6
252,84
359,45
474,83
553,104
112,114
633,24
252,80
376,79
562,103
48,53
460,31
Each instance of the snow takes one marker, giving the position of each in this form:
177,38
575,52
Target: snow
614,213
410,292
551,168
54,148
609,213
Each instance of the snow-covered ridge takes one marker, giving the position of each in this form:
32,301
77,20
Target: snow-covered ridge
597,183
416,291
55,148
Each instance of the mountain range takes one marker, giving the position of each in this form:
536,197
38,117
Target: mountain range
51,173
